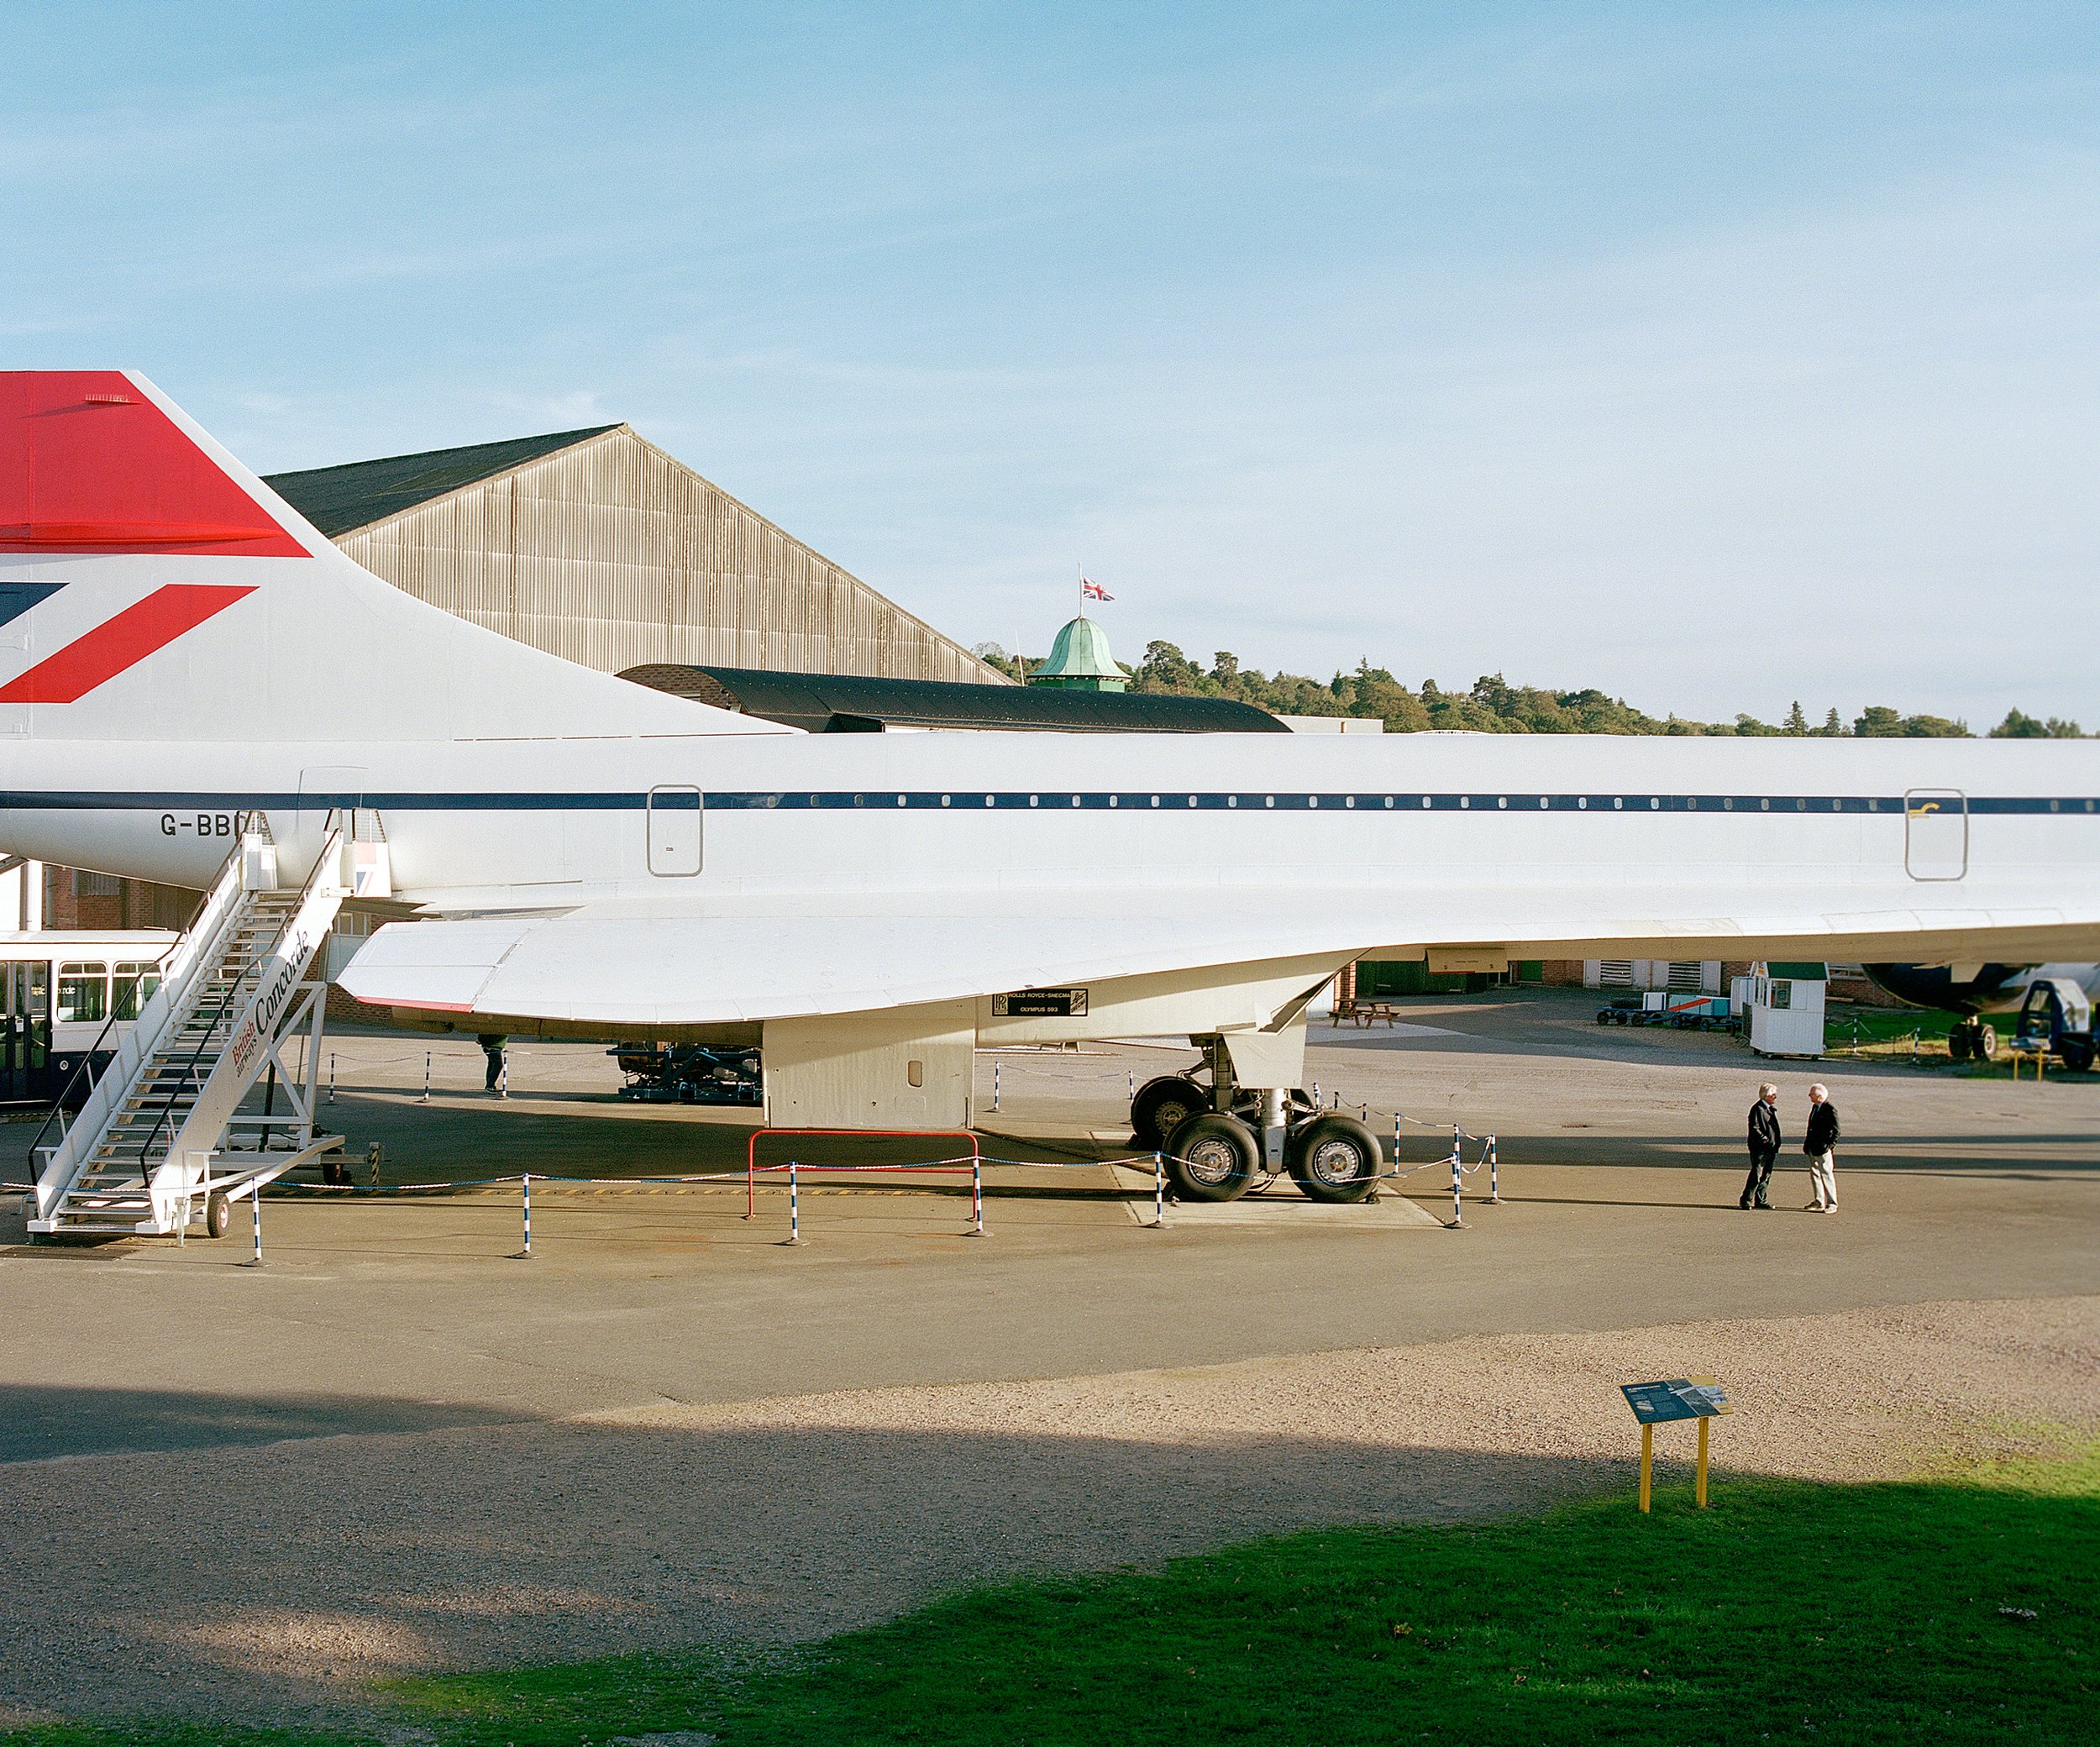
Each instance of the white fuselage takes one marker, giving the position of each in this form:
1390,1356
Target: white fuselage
1613,828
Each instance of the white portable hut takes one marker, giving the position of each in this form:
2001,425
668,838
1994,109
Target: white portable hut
1782,1008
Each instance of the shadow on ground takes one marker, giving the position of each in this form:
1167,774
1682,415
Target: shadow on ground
275,1581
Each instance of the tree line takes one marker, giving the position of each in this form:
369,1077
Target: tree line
1493,705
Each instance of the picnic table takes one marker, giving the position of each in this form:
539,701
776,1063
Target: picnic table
1365,1014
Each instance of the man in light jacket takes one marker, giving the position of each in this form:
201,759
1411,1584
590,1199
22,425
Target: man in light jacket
1820,1143
1765,1142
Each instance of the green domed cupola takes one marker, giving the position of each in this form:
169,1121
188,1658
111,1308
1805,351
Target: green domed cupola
1079,661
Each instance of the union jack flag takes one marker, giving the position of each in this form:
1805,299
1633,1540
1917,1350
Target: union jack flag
1091,590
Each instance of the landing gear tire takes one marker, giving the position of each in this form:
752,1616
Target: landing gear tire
1958,1044
1984,1044
1211,1158
1162,1106
1333,1158
218,1214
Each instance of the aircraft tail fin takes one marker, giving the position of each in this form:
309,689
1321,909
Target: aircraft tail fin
151,587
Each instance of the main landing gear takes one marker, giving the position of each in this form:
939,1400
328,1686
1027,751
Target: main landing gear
1221,1138
1974,1038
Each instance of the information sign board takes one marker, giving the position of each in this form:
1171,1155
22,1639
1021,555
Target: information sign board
1681,1397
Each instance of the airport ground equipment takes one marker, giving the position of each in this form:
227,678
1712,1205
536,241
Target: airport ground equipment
1685,1013
2057,1018
688,1073
162,1142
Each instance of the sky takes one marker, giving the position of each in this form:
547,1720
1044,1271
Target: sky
1714,356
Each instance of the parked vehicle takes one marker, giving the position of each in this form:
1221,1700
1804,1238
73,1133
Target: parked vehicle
1685,1012
68,996
2057,1015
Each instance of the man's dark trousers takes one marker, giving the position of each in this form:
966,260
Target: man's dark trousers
1755,1186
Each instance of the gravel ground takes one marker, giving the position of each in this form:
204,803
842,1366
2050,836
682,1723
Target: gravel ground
271,1582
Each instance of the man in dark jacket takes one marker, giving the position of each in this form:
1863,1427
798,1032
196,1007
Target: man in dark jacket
1765,1142
1820,1143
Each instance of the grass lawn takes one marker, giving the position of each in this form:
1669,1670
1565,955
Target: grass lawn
1789,1612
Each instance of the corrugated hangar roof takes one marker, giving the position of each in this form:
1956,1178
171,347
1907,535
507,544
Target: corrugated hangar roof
337,499
852,703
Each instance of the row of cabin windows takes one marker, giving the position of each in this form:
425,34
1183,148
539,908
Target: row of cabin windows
85,989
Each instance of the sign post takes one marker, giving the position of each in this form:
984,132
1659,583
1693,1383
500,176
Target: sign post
1683,1398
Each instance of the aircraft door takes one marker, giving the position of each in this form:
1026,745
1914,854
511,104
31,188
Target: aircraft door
324,790
24,1030
1935,833
675,825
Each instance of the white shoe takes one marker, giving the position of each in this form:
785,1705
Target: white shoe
1832,1207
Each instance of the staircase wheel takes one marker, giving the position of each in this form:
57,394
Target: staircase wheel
218,1213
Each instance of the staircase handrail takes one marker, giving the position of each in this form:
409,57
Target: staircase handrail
179,968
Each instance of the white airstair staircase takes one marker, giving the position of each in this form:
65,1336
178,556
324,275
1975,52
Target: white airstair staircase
162,1140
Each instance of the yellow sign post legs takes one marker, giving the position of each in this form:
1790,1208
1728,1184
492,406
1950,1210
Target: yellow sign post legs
1647,1461
1701,1491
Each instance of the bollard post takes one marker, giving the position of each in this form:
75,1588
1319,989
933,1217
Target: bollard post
1316,1095
331,1076
525,1198
794,1206
254,1213
1495,1158
976,1197
1159,1192
503,1076
1458,1206
1133,1082
425,1098
995,1085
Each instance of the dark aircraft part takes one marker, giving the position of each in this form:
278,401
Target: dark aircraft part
1933,985
687,1073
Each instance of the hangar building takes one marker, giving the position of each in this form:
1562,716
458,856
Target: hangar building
594,545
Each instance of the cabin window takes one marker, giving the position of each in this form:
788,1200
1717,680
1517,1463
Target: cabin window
83,993
135,984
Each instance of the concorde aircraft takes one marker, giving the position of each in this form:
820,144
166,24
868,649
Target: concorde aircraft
182,657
